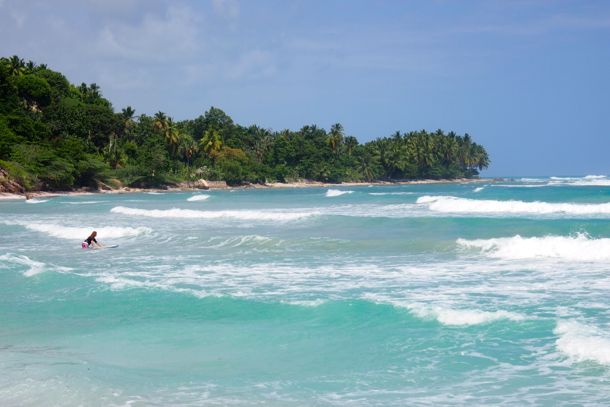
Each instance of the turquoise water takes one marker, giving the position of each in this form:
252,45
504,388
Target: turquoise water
447,294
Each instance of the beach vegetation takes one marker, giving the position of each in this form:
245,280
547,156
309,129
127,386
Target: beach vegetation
55,135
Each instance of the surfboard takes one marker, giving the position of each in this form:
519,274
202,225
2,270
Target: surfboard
103,247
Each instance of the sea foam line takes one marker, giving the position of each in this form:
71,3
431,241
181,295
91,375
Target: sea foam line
391,193
452,204
177,213
577,248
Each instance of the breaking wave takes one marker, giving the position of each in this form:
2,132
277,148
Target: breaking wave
336,192
195,214
33,267
196,198
72,233
451,204
577,248
36,201
446,315
582,342
449,316
237,241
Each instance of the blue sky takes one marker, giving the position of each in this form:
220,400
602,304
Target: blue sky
528,79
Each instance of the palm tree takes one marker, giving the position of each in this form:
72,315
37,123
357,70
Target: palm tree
171,132
351,143
262,142
30,66
160,120
335,137
187,148
211,143
94,91
128,114
113,153
16,66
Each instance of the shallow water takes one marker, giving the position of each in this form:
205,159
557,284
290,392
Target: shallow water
385,295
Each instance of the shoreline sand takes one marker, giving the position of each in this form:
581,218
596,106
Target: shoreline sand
5,196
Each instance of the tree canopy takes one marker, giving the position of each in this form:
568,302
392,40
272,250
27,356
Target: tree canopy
55,135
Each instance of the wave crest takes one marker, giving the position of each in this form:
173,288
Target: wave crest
197,198
177,213
579,247
582,343
452,204
449,316
33,267
67,232
331,193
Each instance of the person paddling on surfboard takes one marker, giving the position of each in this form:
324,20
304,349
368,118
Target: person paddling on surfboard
88,242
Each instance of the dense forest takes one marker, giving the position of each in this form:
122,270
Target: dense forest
58,136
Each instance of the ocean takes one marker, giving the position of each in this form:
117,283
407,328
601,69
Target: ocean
429,294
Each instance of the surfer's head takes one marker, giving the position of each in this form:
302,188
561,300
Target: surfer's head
93,234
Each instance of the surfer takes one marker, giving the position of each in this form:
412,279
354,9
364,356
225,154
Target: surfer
91,241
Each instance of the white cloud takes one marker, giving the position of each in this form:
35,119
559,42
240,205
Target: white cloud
226,8
155,38
254,64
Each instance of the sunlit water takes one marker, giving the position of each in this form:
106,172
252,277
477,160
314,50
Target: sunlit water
398,295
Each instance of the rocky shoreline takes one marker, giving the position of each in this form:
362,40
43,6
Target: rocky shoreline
10,190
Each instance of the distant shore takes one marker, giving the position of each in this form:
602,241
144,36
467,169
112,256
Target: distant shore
221,186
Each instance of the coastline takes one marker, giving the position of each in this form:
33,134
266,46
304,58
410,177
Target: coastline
7,196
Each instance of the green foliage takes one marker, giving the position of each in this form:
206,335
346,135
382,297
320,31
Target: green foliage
55,135
19,174
35,90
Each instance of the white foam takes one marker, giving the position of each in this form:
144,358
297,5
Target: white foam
522,185
478,189
390,193
155,193
582,342
307,303
451,204
449,316
593,183
195,214
576,248
236,241
36,201
82,203
331,193
446,314
72,233
33,267
197,198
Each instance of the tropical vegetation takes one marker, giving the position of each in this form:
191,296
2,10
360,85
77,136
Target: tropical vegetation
55,135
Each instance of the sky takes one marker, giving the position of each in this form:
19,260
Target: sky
527,79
